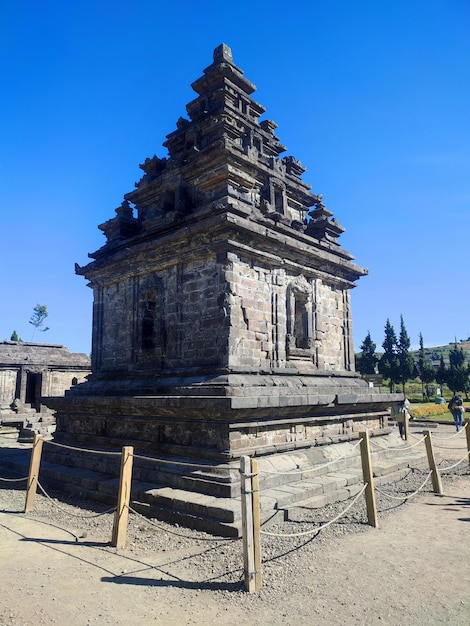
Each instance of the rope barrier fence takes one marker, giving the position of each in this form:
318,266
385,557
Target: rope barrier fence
462,430
79,515
185,464
400,448
250,494
301,471
444,447
445,469
66,447
13,480
317,529
407,497
178,534
413,445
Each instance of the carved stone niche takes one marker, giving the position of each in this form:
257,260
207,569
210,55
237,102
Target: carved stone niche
300,327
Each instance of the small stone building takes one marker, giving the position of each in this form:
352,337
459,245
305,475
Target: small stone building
29,371
222,318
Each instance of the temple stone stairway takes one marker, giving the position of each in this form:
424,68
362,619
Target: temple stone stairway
28,422
167,492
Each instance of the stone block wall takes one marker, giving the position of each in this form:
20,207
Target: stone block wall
197,328
165,320
264,307
55,383
30,370
201,312
8,387
283,436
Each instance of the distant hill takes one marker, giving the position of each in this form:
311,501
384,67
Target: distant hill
435,352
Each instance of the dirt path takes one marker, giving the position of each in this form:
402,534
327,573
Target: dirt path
413,570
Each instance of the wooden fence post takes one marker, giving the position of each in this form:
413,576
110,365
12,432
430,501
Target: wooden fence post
247,523
406,424
33,476
124,497
435,476
256,524
368,478
467,433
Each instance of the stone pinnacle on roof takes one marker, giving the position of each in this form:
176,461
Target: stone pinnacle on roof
221,69
223,53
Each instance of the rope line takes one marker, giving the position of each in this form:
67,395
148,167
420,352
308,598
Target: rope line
13,480
144,458
410,471
440,445
317,467
388,495
248,474
182,463
444,469
101,452
399,448
69,512
413,445
455,434
318,528
378,447
172,532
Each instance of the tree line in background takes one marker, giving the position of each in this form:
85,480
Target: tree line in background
398,365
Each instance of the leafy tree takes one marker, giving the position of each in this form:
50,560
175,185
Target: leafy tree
38,317
426,371
14,336
367,360
389,363
404,356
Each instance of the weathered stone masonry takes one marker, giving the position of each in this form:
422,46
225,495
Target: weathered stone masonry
29,371
222,312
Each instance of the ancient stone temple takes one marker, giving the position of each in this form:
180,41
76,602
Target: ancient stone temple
222,312
29,371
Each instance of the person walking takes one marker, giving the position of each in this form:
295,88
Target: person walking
400,412
457,409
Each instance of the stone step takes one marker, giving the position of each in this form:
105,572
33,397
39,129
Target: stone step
208,512
12,431
344,483
14,422
187,474
218,516
340,495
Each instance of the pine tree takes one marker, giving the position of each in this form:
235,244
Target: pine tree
458,372
426,371
456,356
389,363
404,356
367,360
441,374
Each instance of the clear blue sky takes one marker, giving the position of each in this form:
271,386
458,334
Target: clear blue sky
372,96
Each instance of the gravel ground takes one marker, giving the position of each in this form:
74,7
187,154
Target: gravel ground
198,563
